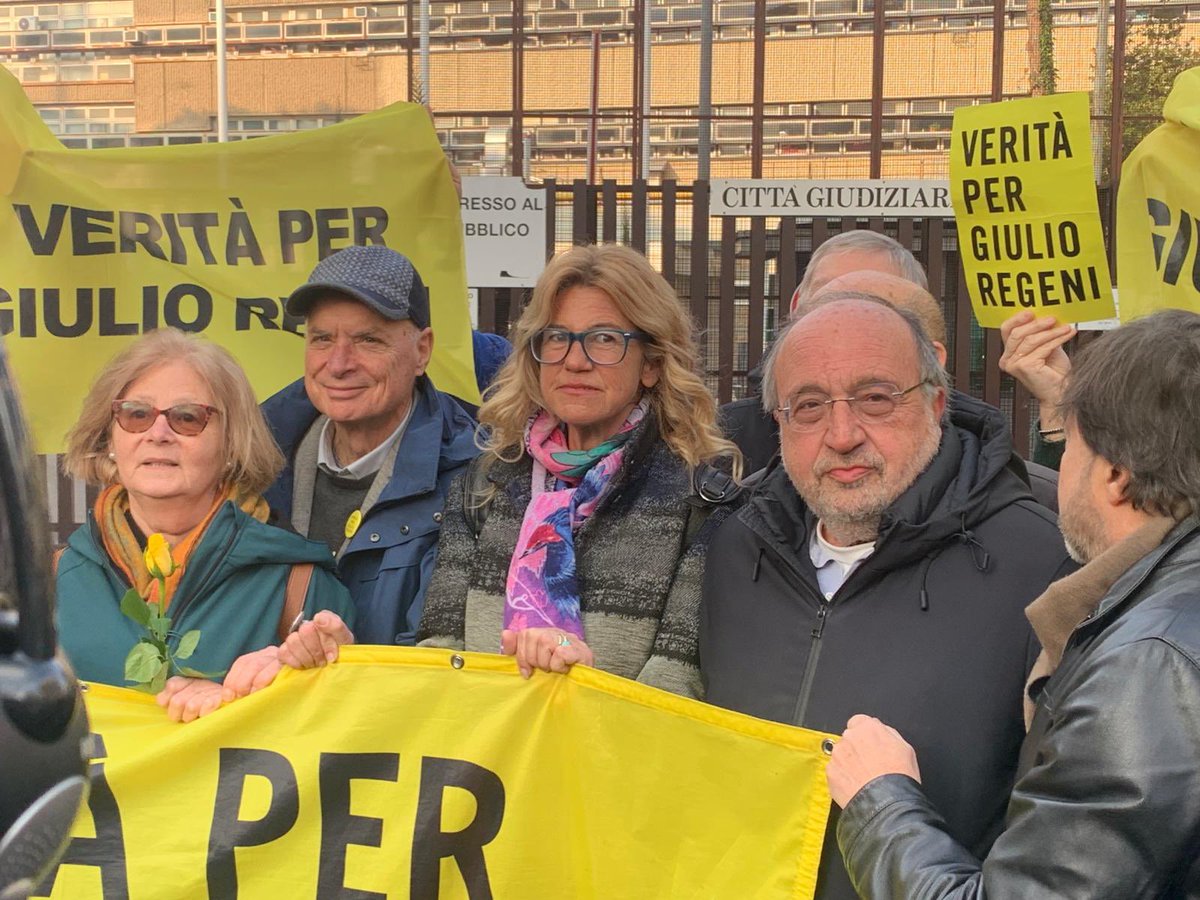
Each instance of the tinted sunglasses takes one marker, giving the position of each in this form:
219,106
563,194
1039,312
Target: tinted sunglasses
184,418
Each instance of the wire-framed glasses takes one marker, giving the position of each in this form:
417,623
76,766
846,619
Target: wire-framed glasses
871,403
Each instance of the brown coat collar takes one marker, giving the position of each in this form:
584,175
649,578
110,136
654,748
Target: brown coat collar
1067,602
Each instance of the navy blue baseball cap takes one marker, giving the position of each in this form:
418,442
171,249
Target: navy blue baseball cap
378,276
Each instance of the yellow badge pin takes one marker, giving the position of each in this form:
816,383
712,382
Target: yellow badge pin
352,523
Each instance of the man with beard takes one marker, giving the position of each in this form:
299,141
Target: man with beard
1107,797
744,421
883,565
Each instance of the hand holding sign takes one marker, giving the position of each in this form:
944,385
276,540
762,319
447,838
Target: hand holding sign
1025,203
1034,355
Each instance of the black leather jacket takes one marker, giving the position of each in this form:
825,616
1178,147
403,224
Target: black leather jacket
1107,798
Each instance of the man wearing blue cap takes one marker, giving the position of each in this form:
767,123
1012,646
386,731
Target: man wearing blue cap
371,445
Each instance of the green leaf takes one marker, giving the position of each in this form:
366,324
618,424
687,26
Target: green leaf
196,673
143,662
159,681
135,608
159,626
187,644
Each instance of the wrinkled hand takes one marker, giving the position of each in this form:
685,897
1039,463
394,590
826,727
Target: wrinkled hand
867,750
316,642
542,648
1034,355
251,672
186,699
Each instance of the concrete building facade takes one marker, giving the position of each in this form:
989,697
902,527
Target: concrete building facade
141,72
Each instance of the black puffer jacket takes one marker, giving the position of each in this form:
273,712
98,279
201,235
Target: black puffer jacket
928,634
1107,801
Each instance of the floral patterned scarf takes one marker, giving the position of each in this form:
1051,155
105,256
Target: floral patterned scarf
542,589
125,550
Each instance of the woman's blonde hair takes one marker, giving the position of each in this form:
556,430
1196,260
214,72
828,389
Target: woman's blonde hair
683,406
253,458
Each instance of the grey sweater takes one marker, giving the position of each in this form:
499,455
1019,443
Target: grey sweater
639,584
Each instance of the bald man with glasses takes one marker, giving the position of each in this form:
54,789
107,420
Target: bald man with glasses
883,564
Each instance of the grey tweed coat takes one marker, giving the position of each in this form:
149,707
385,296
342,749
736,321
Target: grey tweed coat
639,574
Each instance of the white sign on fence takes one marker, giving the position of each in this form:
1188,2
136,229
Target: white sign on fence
851,197
504,231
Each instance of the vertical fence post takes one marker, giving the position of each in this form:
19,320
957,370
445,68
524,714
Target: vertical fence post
608,197
594,109
785,268
760,76
410,35
699,285
1116,126
639,7
726,309
757,300
639,213
704,100
877,43
518,88
667,189
992,344
551,188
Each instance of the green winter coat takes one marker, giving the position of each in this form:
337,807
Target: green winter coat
232,590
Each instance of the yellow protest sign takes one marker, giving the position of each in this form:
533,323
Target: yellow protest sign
1158,210
1024,200
97,246
411,772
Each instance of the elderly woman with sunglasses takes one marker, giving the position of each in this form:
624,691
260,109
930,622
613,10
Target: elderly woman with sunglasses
575,537
171,433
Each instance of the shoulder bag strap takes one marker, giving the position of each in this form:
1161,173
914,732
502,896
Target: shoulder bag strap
293,598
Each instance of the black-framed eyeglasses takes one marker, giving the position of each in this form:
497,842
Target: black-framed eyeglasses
188,419
872,403
602,346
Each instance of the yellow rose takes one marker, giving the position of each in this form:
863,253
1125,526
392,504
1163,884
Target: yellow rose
159,561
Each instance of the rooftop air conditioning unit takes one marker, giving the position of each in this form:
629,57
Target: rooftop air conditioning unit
132,36
28,23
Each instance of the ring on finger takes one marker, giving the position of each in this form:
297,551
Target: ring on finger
563,640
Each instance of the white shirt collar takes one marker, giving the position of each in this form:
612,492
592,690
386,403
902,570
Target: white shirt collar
822,552
365,465
835,564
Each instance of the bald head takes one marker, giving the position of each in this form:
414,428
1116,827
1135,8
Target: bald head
858,394
853,324
870,317
899,292
857,251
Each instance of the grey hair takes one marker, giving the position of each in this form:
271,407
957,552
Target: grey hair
933,376
1134,396
872,242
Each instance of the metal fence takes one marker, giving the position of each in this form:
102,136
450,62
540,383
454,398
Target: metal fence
737,275
655,89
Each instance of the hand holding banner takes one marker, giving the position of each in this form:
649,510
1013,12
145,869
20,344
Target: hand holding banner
412,772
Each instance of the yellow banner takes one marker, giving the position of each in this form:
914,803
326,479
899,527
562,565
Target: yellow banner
97,246
1158,210
1024,199
407,772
